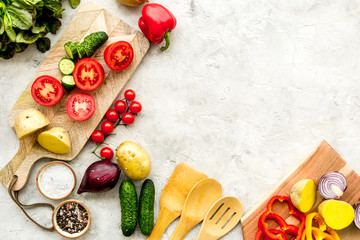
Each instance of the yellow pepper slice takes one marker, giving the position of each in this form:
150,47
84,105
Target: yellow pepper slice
318,232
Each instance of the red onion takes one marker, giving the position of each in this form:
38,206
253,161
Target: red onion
357,215
332,185
100,176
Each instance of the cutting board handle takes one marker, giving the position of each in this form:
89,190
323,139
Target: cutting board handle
20,165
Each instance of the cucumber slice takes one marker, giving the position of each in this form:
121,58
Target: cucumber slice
70,50
66,66
88,49
68,82
80,49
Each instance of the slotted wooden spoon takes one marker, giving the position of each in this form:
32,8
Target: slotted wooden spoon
203,195
223,216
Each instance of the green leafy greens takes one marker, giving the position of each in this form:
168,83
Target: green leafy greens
24,22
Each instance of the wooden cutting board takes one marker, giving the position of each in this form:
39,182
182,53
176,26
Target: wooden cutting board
323,160
90,18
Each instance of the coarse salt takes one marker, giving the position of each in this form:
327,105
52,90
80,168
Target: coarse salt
56,181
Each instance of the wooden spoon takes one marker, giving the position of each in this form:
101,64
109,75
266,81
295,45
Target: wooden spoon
203,195
223,216
173,197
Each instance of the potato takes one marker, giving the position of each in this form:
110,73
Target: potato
29,121
337,214
133,160
56,140
303,195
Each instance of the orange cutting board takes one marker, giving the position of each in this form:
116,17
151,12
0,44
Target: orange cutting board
323,160
90,18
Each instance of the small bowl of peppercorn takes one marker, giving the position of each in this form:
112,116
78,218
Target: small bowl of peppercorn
71,218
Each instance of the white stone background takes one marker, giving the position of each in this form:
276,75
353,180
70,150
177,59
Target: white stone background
246,90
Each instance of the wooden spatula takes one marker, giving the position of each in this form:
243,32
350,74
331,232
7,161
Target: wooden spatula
223,216
203,195
173,197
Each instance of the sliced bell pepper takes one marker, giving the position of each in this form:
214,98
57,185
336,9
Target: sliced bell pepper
260,234
318,232
156,22
289,229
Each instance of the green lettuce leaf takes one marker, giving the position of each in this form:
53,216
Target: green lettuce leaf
20,18
21,37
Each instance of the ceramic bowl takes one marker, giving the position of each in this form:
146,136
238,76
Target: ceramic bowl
64,233
42,190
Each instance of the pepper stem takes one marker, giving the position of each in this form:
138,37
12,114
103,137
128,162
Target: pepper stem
167,39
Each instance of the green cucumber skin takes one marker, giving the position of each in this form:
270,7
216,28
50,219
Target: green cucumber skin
88,47
67,86
80,49
73,52
146,207
129,208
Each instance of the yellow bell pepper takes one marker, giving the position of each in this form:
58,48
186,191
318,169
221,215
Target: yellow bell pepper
323,232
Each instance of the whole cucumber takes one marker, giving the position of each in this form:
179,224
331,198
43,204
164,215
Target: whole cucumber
146,207
129,208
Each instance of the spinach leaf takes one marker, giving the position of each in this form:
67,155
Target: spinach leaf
20,18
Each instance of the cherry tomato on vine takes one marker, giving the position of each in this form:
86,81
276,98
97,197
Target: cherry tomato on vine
129,95
97,136
107,153
128,118
107,127
135,107
120,106
112,115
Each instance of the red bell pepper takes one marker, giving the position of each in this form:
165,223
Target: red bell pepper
156,22
285,228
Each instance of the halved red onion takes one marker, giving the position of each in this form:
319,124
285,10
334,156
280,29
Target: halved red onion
357,215
332,185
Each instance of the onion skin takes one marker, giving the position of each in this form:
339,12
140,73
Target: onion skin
330,182
357,215
100,176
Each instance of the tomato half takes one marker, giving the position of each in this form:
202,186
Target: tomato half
46,90
80,106
88,74
119,55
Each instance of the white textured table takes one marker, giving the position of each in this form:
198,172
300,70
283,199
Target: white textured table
245,91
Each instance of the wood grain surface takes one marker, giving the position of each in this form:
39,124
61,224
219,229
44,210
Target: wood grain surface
90,18
323,160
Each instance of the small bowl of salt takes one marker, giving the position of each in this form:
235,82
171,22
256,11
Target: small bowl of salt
56,180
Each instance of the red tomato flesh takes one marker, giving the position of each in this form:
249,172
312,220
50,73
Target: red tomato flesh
46,90
119,55
88,74
80,106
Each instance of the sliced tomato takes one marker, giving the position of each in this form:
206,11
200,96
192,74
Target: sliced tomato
119,55
46,90
88,74
80,106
